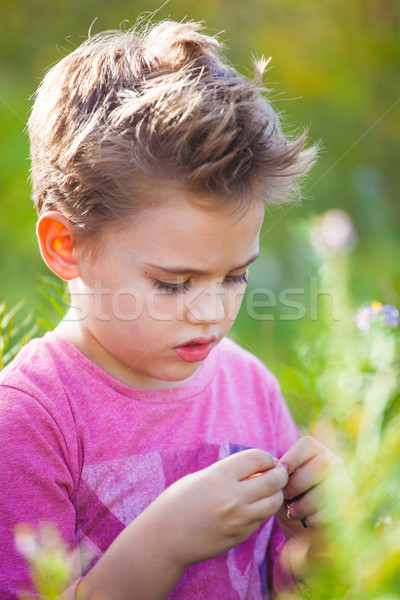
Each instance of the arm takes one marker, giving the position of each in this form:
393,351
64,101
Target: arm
35,485
197,518
138,564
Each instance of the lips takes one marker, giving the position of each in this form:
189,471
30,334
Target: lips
196,349
197,341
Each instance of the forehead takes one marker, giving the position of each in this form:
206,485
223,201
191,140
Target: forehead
179,233
179,230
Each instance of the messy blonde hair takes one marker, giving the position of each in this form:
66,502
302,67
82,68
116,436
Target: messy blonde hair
130,114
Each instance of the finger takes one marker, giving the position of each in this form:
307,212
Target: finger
305,516
261,510
311,473
305,506
302,451
264,485
247,463
316,520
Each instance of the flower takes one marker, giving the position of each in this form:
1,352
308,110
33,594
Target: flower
26,541
52,564
333,233
390,315
385,314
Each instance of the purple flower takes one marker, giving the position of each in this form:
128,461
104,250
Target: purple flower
390,315
363,319
385,314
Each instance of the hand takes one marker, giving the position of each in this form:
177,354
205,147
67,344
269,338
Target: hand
208,512
310,464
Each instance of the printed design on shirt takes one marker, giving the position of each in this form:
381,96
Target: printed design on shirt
115,492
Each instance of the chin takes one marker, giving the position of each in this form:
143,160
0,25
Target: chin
182,376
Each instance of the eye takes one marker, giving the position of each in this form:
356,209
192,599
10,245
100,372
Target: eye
234,279
184,286
171,288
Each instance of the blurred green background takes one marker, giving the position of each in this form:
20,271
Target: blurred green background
334,70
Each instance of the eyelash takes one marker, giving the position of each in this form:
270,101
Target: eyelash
176,288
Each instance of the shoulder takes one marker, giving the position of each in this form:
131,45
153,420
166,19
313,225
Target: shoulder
39,429
244,381
233,350
33,364
244,363
35,408
31,384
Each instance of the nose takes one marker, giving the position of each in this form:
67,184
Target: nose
205,305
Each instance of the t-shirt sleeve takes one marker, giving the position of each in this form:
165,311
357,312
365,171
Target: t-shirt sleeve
36,486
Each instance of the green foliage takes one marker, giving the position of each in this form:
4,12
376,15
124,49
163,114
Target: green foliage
55,301
345,386
337,68
14,332
17,329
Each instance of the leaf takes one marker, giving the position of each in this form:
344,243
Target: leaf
56,301
11,313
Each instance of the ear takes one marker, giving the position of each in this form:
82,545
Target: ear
54,233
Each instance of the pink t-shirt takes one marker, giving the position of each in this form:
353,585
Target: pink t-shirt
88,453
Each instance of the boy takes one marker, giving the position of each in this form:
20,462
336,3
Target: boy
149,439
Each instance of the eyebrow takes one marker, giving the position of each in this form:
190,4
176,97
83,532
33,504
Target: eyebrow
185,270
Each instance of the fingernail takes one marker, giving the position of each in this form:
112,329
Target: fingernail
286,466
293,512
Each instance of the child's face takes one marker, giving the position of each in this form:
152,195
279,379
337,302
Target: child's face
136,310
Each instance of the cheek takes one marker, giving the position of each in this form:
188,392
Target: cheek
233,301
166,308
127,304
143,304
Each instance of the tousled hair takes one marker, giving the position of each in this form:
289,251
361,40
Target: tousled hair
130,114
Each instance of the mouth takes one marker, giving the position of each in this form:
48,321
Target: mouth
198,341
195,350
